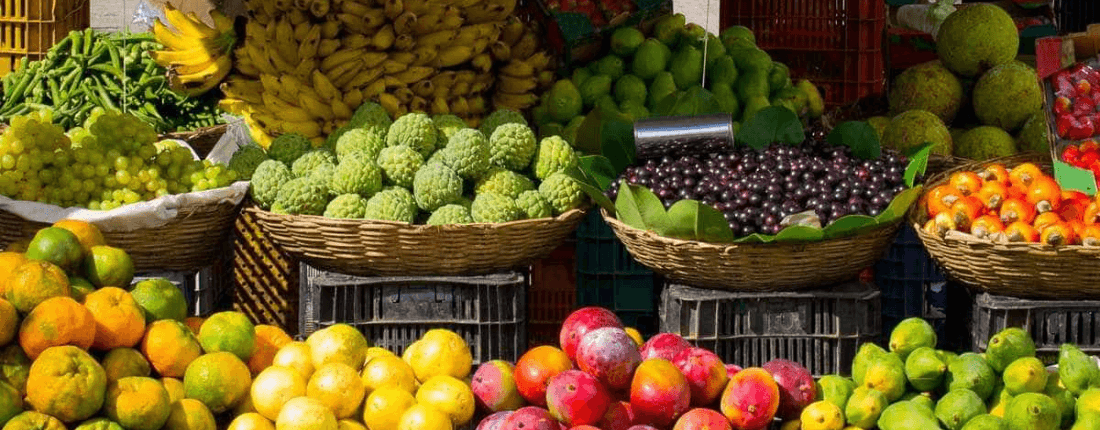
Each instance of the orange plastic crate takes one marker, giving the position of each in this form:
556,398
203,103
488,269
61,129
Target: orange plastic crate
552,295
837,44
28,28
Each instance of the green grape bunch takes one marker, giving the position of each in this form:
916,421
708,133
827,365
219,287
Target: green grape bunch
114,159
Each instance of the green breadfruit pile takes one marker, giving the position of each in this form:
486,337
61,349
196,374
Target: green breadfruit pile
418,168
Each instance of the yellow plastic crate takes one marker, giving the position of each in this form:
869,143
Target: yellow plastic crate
28,28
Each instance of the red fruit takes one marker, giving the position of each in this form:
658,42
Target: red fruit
1083,87
534,370
584,427
1070,154
582,321
659,393
1062,104
796,386
1063,123
642,427
664,345
530,418
1062,84
1083,106
702,419
1086,159
705,373
494,421
494,387
732,369
751,399
1082,128
619,416
610,355
576,398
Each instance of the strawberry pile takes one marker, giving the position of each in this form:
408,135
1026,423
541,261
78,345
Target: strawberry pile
1085,155
1077,95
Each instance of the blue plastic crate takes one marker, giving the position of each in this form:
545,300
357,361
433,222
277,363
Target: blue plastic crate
912,284
599,252
609,277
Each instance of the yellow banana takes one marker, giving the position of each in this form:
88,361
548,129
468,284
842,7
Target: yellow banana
341,110
233,106
308,129
310,44
340,57
392,83
540,60
297,15
353,98
374,59
319,8
419,7
342,68
404,42
245,67
393,8
277,60
414,74
390,67
188,25
512,31
384,38
262,16
275,104
172,40
496,10
427,22
512,85
330,28
517,69
324,87
418,104
436,39
301,30
284,5
301,4
482,45
356,41
354,23
402,57
423,88
244,89
405,23
285,44
341,76
515,101
197,83
526,46
482,62
303,69
364,77
439,106
546,78
404,95
454,56
259,136
466,76
258,58
501,51
482,83
390,104
438,91
478,105
452,22
424,56
318,108
459,106
354,7
327,47
190,57
255,33
375,88
460,89
272,87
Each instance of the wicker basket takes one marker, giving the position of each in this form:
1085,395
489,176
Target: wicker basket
1025,270
381,248
186,243
755,267
202,140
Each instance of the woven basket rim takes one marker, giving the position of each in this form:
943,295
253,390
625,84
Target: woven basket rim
565,216
916,216
219,128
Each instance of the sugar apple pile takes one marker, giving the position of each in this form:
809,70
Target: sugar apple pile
421,169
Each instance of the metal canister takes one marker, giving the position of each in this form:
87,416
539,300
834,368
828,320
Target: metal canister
675,136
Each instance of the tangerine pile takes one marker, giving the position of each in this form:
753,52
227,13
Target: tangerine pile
1022,204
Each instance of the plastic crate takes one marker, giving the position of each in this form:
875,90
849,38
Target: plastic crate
1074,16
821,329
552,295
393,312
1050,322
837,44
579,38
912,284
609,277
28,28
265,279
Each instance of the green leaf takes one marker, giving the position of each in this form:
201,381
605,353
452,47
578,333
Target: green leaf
772,124
693,220
691,102
617,140
588,133
591,186
900,205
849,225
918,163
599,169
755,238
638,207
799,233
859,136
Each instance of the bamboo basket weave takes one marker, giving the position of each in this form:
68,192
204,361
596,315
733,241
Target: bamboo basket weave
202,140
383,248
186,243
1025,270
755,267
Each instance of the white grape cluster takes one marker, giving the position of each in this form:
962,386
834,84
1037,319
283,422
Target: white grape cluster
114,160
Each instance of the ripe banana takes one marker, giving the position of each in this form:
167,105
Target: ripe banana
340,57
390,104
512,31
375,88
513,85
526,46
439,106
353,97
403,57
311,43
327,47
319,108
423,89
515,101
459,106
188,25
405,23
365,77
194,84
341,110
418,104
436,39
483,62
319,8
384,38
247,91
501,51
518,69
356,41
454,56
414,74
424,56
330,28
324,87
404,42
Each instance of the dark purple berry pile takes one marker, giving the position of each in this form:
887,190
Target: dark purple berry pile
757,189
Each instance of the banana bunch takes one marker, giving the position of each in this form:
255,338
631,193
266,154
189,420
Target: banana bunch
197,56
305,65
525,70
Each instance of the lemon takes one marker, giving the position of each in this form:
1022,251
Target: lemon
385,406
339,343
297,356
450,396
439,352
275,386
350,425
337,385
424,417
822,415
304,413
385,371
250,421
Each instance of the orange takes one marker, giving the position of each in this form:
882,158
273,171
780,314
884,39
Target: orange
388,371
383,408
11,403
251,421
338,386
35,281
269,339
348,424
137,403
79,288
58,246
295,355
194,323
174,387
190,414
67,383
450,395
107,266
8,262
340,343
122,362
57,321
219,379
228,331
31,420
274,387
99,424
161,300
86,233
170,347
439,352
304,413
14,367
424,417
9,322
119,321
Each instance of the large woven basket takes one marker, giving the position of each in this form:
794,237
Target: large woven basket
202,140
755,267
1025,270
187,243
382,248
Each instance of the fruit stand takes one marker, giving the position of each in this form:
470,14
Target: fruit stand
550,215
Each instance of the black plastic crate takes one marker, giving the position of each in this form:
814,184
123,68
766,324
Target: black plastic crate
912,284
393,312
1074,16
1050,322
821,329
608,276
